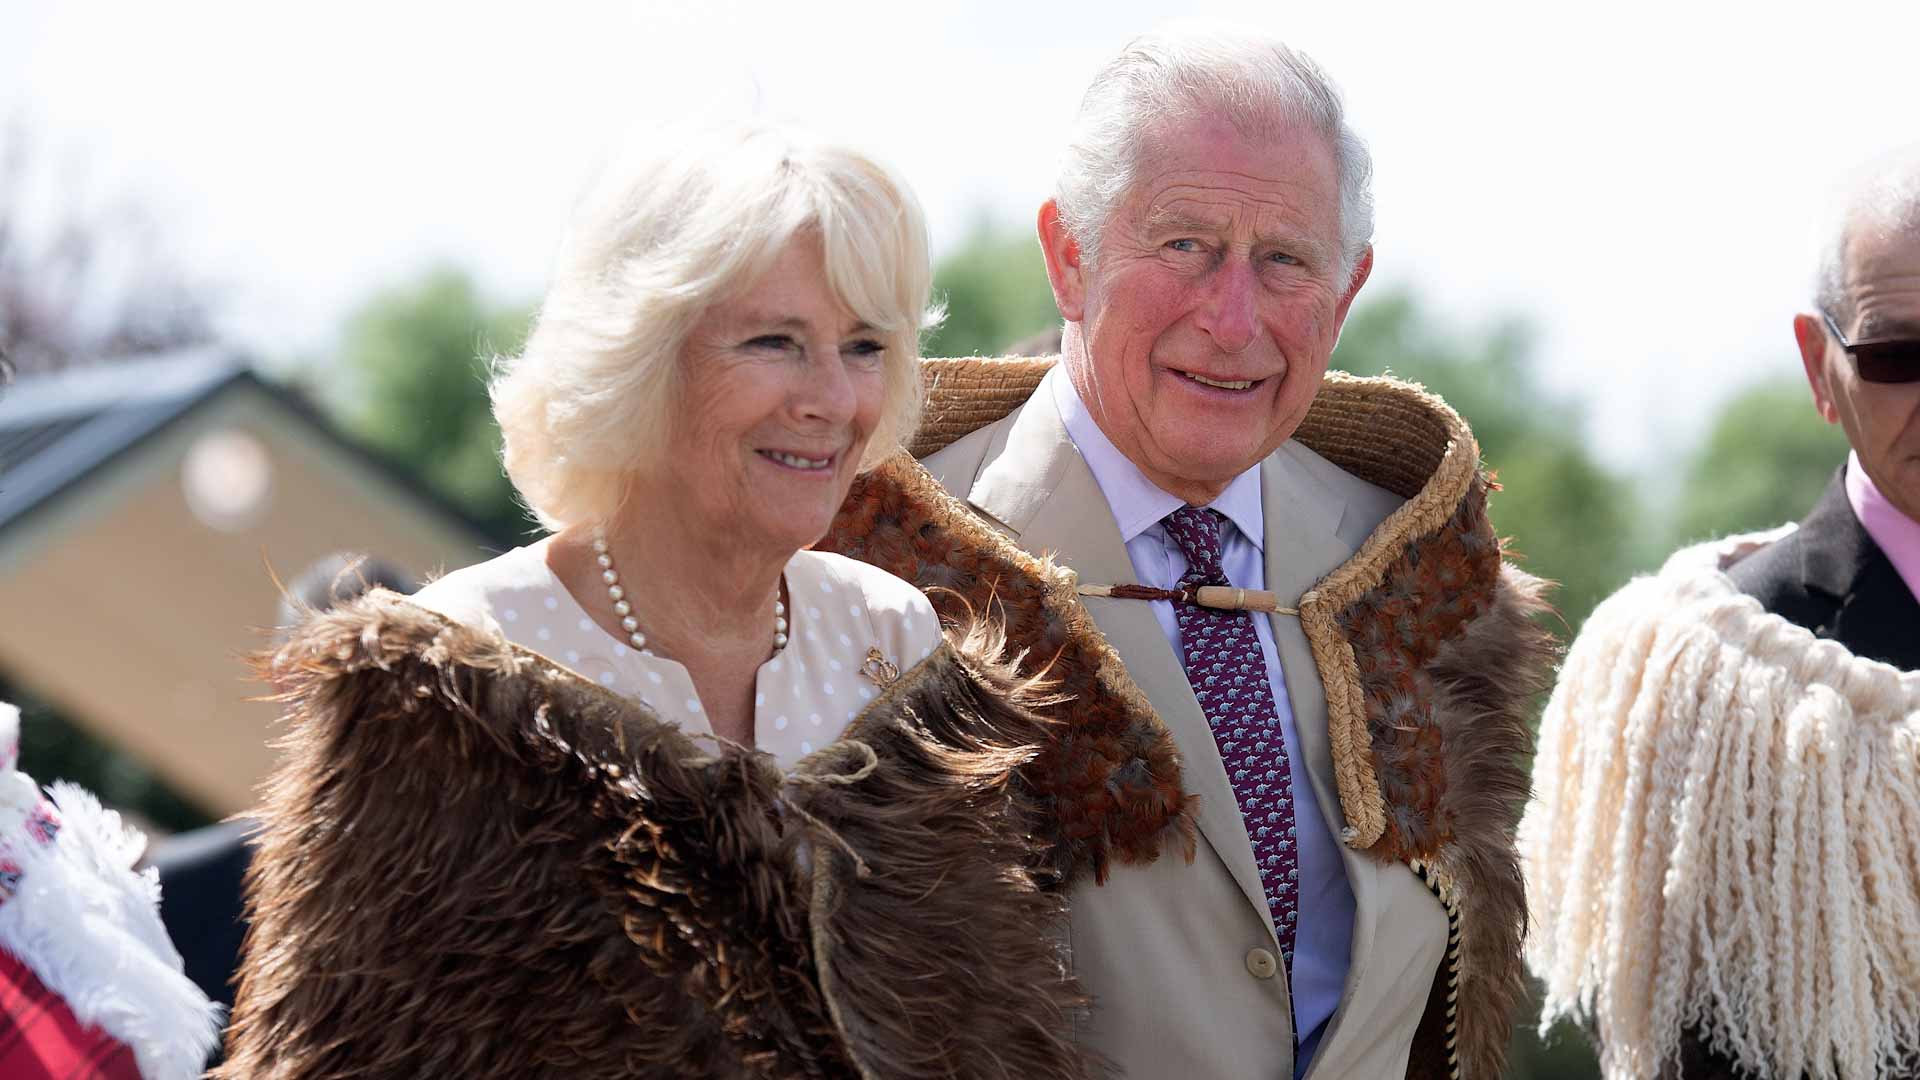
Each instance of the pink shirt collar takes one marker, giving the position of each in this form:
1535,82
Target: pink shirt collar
1897,534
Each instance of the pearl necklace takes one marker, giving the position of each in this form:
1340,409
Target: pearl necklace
631,625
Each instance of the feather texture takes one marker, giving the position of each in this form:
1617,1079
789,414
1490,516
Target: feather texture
475,863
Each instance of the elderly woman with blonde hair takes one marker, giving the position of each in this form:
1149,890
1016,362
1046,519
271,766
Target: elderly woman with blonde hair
674,791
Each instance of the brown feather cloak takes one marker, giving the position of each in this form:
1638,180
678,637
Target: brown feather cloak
1430,647
476,863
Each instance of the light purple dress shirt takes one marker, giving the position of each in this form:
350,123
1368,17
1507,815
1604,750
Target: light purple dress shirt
1324,932
1897,534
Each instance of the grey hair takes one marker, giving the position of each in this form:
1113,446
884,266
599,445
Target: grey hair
664,235
1194,69
1879,200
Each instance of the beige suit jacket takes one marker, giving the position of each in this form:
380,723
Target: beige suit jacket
1178,957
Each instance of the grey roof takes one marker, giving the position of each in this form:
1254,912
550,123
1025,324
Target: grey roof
57,430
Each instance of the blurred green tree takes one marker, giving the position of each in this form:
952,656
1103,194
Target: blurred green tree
996,292
1763,462
1571,519
417,357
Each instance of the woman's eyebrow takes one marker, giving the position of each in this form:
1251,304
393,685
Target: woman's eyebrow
788,323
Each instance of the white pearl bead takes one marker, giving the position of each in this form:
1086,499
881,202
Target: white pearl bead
624,609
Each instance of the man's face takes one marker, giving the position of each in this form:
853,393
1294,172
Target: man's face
1882,420
1215,303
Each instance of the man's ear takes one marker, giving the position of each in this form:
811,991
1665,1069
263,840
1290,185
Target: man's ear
1811,335
1361,271
1064,269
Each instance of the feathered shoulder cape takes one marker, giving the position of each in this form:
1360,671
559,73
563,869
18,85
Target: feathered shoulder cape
1721,840
1426,641
476,863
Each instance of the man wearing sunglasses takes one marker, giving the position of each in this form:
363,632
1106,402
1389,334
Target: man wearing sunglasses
1723,848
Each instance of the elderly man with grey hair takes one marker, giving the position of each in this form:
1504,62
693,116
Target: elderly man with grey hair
1297,569
1722,845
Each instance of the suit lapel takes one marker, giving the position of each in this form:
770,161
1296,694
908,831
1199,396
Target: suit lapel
1303,546
1873,613
1039,487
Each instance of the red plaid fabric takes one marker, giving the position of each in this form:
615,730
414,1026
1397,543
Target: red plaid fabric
40,1039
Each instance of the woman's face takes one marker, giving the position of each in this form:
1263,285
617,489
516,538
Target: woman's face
782,389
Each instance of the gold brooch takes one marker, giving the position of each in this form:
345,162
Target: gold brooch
878,668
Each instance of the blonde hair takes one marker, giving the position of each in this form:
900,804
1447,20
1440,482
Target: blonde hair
664,235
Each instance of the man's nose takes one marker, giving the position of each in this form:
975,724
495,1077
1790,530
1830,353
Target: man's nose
1228,311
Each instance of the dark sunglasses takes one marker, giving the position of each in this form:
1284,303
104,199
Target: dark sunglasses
1883,360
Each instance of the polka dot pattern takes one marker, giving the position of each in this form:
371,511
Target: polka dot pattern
803,697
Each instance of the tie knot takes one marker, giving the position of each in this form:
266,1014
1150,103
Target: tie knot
1197,530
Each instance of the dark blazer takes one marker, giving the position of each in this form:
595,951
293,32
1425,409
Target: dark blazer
201,875
1830,577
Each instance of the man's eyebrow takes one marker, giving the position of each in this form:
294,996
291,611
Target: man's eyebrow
1885,326
1171,220
1295,242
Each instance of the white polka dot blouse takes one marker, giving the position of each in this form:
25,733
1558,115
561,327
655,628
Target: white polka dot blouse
804,696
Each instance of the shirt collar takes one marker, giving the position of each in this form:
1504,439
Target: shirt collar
1896,534
1138,503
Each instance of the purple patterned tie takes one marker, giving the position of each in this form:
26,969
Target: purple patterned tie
1229,676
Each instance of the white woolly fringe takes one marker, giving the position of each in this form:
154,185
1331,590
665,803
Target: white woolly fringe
9,735
89,926
1723,835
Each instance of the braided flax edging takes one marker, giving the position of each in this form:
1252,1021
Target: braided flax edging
1433,464
1425,512
1444,891
966,394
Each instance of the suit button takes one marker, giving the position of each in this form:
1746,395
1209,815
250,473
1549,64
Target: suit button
1261,964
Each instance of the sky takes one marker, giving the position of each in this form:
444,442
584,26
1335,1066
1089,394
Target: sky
1641,182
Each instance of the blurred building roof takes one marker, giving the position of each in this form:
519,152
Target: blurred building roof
148,510
58,430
